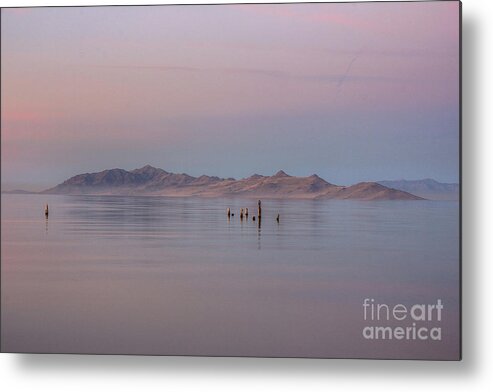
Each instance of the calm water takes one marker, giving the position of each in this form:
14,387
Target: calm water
174,276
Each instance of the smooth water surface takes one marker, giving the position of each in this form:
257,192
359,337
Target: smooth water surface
155,275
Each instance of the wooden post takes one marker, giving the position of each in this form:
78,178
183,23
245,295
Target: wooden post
228,211
46,210
241,213
277,219
259,212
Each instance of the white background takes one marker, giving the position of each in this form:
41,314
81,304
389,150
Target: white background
125,373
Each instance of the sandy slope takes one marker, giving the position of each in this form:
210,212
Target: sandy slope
157,182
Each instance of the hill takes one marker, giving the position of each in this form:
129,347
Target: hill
427,188
151,181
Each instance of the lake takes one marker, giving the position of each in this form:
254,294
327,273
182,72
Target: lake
174,276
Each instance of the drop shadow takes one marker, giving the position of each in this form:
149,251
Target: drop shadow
108,364
470,191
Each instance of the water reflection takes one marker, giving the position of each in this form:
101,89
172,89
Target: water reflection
259,230
143,275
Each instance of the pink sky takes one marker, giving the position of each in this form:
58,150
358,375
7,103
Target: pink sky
84,89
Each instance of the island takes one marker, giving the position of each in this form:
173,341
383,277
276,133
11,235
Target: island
152,181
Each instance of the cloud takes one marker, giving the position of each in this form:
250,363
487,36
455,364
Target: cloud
299,13
337,79
346,74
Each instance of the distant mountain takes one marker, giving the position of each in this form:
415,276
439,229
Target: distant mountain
426,188
152,181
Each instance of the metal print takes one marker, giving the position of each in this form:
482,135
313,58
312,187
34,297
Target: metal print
269,180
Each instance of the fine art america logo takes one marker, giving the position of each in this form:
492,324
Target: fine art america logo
401,322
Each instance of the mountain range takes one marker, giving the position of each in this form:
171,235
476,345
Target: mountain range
426,188
151,181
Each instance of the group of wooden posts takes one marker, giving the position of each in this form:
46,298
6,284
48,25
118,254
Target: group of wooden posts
244,213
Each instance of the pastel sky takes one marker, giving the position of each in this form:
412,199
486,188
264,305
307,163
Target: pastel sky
352,92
